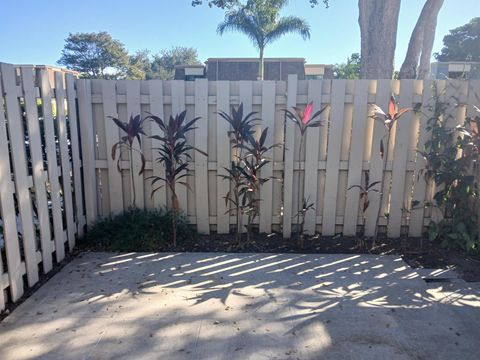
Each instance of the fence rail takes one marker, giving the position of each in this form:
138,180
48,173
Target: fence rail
57,173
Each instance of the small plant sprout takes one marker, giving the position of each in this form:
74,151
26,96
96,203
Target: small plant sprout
304,120
388,119
173,153
133,130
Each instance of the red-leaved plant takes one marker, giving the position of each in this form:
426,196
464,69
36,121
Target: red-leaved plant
388,119
304,120
133,130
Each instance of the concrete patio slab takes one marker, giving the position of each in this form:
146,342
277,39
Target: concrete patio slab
243,306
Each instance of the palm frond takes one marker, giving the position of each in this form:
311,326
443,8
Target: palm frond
287,25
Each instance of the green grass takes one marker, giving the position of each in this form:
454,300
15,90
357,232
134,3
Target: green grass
135,230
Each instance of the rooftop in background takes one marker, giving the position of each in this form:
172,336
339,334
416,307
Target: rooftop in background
235,69
455,70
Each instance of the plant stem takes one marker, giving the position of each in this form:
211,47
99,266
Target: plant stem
385,162
132,176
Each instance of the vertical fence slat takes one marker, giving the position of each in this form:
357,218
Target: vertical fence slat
112,136
383,92
64,158
156,108
333,159
400,159
201,161
246,98
288,158
8,212
75,149
38,174
355,159
52,166
133,108
84,94
311,158
223,155
178,105
266,190
417,213
19,158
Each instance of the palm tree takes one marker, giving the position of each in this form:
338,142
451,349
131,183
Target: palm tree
260,21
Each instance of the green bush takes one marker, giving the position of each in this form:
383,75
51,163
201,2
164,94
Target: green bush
136,230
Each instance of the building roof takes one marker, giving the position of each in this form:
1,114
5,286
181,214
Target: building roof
289,59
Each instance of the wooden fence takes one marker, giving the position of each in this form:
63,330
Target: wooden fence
334,158
57,173
41,191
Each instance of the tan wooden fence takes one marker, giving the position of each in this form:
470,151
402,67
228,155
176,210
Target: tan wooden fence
41,191
57,173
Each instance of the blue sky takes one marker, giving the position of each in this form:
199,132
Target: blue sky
34,31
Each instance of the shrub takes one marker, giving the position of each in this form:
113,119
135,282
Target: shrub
135,230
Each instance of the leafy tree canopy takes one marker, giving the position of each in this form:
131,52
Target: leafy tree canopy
163,64
95,55
350,69
227,4
462,43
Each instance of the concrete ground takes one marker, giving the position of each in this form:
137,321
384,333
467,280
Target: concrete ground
244,306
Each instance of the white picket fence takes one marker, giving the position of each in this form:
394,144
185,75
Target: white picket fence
57,173
41,191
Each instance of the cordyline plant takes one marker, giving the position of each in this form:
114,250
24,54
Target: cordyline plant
364,193
241,131
304,120
173,153
388,119
133,130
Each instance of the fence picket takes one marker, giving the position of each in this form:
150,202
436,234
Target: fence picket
312,139
289,147
75,149
64,158
355,161
178,105
19,159
8,212
223,156
266,190
34,137
112,137
201,161
84,94
52,164
333,157
156,108
133,108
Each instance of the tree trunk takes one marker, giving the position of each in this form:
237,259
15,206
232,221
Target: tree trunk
417,44
260,65
428,39
378,21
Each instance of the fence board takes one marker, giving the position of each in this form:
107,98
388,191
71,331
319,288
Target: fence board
133,108
156,108
8,212
52,166
289,146
266,191
65,158
112,137
84,94
201,161
223,156
75,150
400,159
383,93
355,160
417,212
34,137
19,159
333,157
311,157
178,105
